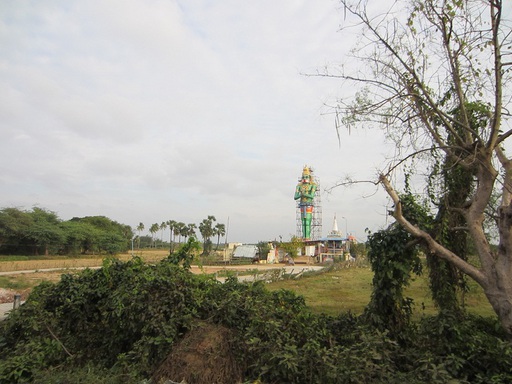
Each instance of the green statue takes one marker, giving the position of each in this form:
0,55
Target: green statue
305,193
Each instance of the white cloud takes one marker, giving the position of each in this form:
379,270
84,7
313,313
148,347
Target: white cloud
146,111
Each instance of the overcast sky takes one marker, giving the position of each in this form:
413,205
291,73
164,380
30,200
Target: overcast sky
151,110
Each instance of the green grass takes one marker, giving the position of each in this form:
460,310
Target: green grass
43,257
340,290
13,258
16,282
349,289
333,292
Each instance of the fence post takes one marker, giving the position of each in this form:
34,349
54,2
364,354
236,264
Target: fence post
17,301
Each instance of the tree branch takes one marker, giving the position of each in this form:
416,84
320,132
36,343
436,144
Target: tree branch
432,245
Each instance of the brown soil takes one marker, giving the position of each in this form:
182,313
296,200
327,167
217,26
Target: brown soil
205,355
7,295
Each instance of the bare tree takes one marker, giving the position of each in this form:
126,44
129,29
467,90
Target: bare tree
434,80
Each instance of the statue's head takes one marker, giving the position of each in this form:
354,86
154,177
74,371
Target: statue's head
306,174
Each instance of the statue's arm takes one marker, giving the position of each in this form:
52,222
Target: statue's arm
311,191
297,192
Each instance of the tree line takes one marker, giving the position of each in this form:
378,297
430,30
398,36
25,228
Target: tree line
208,228
39,231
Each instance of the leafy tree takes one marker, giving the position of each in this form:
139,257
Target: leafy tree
45,231
40,230
78,237
424,72
111,243
185,254
102,228
36,230
146,241
293,246
263,249
451,185
14,224
358,250
394,255
92,240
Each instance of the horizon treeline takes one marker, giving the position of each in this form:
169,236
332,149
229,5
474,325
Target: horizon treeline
41,232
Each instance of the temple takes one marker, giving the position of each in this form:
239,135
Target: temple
334,246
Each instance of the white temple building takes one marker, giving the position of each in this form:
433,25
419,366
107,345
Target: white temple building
334,246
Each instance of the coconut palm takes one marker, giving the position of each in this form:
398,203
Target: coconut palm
172,226
163,226
140,228
153,229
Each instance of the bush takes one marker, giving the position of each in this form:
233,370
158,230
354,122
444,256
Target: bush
119,323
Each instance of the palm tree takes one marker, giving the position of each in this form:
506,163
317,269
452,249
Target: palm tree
153,229
180,230
206,230
219,230
190,231
163,226
172,226
140,228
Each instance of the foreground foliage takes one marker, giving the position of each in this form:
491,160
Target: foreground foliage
117,325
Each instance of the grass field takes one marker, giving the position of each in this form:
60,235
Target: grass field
340,290
22,263
349,289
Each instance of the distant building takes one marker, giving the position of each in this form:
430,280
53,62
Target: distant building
352,239
246,251
333,245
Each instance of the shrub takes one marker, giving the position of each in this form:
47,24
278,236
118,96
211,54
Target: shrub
119,323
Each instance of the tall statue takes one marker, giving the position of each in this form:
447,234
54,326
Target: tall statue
305,193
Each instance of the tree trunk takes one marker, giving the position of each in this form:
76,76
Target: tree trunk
499,284
499,294
495,274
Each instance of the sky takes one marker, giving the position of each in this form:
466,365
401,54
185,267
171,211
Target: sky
155,110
